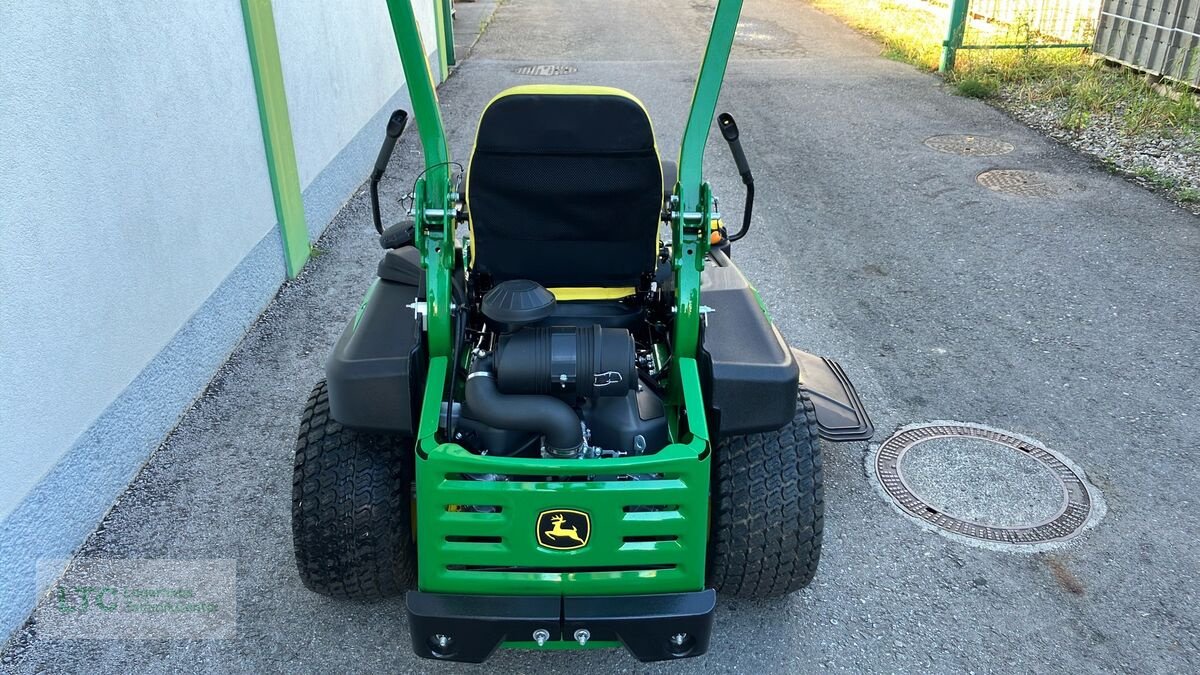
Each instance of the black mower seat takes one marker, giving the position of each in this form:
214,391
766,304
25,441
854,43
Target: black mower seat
565,188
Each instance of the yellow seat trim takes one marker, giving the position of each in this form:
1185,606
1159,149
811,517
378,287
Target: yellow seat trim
594,293
563,90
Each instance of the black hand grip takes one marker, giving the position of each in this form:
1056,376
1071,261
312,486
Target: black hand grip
395,127
729,130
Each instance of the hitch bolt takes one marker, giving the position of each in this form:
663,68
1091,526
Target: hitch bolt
442,641
678,639
582,636
540,636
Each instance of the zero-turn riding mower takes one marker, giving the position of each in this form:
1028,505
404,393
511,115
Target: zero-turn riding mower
562,431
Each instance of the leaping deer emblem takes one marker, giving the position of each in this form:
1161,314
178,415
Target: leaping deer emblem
559,531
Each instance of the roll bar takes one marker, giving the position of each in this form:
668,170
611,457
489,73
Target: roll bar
423,94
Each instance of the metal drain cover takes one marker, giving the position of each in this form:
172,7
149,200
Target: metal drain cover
973,146
1022,183
546,70
985,485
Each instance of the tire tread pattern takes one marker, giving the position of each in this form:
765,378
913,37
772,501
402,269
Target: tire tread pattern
768,510
351,512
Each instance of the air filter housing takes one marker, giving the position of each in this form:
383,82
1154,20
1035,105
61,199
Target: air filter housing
518,302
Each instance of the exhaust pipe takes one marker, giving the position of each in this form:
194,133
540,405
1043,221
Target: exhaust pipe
552,418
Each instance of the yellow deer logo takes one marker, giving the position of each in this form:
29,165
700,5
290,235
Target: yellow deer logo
563,529
559,531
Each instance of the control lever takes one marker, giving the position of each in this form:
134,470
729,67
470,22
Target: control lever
729,130
395,127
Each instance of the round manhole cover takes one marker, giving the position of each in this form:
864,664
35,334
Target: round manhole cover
973,146
985,485
1022,183
546,70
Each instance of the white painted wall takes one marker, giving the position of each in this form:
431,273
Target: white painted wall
132,181
137,227
340,66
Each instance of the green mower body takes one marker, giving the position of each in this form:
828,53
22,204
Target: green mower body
549,454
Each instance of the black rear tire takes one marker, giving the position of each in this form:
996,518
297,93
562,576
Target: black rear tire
768,510
351,507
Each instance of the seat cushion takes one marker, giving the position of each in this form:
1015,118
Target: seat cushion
564,188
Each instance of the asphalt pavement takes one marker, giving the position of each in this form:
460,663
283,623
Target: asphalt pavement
1069,318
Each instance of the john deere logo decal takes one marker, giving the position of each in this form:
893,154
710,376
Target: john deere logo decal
563,529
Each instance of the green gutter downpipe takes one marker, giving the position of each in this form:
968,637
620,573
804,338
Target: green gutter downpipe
954,34
447,29
441,24
277,132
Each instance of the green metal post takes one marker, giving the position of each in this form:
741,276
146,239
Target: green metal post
448,33
954,34
277,132
439,30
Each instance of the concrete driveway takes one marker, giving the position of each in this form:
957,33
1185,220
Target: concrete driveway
1069,318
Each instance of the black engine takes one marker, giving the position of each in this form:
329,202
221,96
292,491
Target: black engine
543,383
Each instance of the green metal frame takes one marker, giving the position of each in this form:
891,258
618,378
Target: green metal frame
680,490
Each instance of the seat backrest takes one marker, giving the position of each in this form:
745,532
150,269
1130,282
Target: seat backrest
564,187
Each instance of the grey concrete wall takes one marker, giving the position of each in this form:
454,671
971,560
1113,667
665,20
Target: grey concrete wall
134,182
138,238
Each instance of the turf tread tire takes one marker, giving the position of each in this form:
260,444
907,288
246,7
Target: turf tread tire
768,510
351,510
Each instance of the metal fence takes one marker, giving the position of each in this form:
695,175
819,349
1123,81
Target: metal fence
1019,24
1161,37
1022,22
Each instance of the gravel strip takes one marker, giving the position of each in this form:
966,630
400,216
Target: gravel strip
1177,158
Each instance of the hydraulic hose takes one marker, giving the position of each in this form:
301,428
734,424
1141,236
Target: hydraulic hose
546,415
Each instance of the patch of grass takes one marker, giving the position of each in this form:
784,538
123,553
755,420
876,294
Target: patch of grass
1156,178
909,33
976,87
1188,196
1090,90
1076,120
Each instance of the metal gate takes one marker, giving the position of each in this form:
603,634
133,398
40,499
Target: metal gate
1160,37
